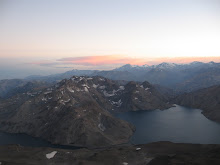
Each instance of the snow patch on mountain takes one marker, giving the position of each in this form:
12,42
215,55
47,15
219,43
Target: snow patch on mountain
117,103
51,155
70,90
102,87
122,88
109,94
95,86
86,89
101,127
84,85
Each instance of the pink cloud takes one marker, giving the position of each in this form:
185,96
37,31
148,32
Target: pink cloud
103,60
109,61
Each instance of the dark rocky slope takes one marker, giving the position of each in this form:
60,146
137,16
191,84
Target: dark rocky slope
142,96
159,153
67,113
207,99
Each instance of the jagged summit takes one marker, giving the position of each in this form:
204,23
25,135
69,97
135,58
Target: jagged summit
166,65
196,63
212,62
128,67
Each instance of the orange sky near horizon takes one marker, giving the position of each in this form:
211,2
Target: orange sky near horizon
118,60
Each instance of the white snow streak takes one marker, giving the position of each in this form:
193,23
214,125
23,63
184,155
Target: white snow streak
51,155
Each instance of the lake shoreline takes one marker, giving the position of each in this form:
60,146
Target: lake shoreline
178,124
151,126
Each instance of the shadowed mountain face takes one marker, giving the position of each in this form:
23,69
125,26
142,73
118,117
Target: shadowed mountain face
142,96
207,99
58,77
76,111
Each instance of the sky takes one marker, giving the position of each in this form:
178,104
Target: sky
41,37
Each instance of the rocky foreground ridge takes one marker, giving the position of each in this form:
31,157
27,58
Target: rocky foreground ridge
77,111
158,153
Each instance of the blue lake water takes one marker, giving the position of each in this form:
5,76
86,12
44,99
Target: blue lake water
26,140
177,124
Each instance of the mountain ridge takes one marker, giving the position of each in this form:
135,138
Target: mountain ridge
77,111
170,75
178,77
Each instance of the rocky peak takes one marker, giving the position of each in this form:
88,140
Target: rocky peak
131,85
146,84
76,111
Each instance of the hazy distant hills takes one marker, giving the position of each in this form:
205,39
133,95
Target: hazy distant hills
117,75
203,78
179,77
11,87
61,76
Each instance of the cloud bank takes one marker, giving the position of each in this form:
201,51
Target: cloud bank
112,61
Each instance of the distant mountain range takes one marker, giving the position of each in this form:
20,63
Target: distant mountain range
178,77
